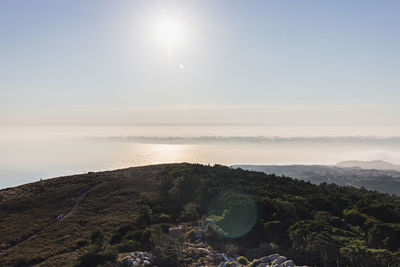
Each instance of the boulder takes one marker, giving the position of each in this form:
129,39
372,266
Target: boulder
288,263
265,259
146,262
219,256
203,251
254,263
273,257
279,260
226,258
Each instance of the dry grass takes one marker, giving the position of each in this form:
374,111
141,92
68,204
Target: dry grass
30,232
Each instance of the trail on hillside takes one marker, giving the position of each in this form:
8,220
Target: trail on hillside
79,199
70,213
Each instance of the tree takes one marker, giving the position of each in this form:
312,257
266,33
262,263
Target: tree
145,214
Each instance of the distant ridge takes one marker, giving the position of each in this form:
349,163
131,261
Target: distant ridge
373,164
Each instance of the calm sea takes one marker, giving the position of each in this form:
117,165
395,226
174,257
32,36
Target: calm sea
29,153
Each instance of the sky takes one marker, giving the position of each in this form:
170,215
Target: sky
221,62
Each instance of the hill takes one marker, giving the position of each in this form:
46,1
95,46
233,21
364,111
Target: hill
97,216
385,181
373,164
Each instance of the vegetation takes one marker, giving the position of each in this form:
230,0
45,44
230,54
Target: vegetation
254,213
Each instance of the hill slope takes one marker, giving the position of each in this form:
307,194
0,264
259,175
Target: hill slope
385,181
250,210
373,164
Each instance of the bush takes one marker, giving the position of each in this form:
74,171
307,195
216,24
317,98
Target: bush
125,228
163,218
242,260
190,212
133,235
169,250
191,234
115,238
128,246
97,239
145,215
92,259
353,217
231,249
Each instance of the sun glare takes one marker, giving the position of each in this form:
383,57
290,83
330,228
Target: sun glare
170,31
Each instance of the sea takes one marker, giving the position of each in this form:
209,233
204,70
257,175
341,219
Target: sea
29,153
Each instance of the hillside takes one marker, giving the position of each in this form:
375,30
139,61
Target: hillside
373,164
385,181
57,221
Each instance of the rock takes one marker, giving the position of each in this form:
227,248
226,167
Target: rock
200,244
223,264
265,259
279,260
145,263
288,263
226,258
254,263
264,264
273,257
203,251
218,256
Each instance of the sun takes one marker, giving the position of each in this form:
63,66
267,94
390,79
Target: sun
170,31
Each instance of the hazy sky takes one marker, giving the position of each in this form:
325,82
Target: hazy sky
270,62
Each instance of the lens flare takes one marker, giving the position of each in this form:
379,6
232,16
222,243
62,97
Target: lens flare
233,213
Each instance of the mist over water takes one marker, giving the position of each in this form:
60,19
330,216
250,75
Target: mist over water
29,153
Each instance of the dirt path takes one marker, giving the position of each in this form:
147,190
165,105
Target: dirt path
79,199
70,213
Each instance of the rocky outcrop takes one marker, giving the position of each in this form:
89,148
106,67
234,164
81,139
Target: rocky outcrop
200,253
137,258
273,260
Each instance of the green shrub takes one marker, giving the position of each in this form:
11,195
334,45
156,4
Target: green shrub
353,217
163,218
133,235
242,260
91,259
128,246
97,239
111,254
145,215
125,228
231,249
169,250
115,238
191,234
190,212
